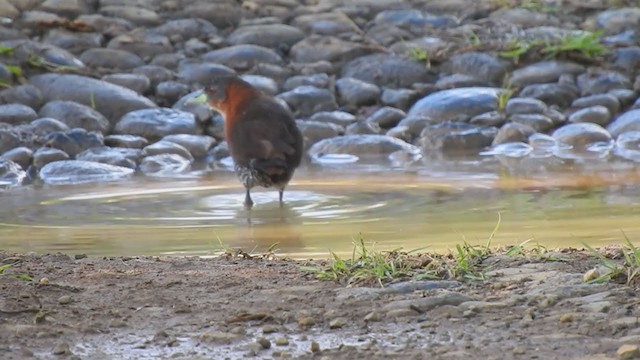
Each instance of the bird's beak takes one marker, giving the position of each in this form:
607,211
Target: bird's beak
198,100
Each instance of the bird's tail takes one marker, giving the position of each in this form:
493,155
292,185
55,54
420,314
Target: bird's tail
274,167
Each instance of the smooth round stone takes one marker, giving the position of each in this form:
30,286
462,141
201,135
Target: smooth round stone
167,147
26,94
356,92
551,94
581,135
64,8
195,47
307,100
112,101
539,122
79,172
362,128
455,138
220,14
154,124
513,132
456,104
164,165
44,126
330,23
415,123
156,74
262,83
510,149
106,25
74,42
386,117
491,118
187,28
137,15
362,146
542,141
617,20
197,145
20,155
481,66
607,100
168,92
599,83
328,48
243,56
627,58
459,81
628,121
202,112
126,141
124,157
9,139
340,118
46,155
11,174
202,73
628,145
399,98
142,42
53,56
414,19
387,70
524,18
75,115
401,132
74,141
595,114
269,36
314,131
321,80
110,59
525,106
625,96
136,82
17,114
543,72
220,151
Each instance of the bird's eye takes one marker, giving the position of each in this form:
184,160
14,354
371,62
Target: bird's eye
210,91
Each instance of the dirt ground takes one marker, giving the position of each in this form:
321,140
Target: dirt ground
230,308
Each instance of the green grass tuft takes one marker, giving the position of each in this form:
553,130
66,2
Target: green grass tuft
5,267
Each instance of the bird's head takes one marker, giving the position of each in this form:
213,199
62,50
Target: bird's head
221,92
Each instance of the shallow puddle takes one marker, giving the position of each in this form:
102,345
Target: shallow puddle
326,209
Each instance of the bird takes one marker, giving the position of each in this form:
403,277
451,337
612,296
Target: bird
264,140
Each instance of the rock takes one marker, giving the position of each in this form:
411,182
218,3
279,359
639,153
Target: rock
387,70
628,145
137,15
61,348
136,82
361,146
607,100
20,155
510,150
338,323
428,303
125,157
581,135
454,138
243,56
11,174
282,341
491,118
415,124
597,114
201,73
218,337
142,42
315,347
106,25
539,122
110,59
328,23
29,51
126,141
456,104
153,124
26,94
551,94
627,58
64,300
164,165
16,114
307,100
628,121
335,117
484,67
220,14
407,287
543,72
168,92
386,117
321,80
314,131
525,106
77,172
45,155
156,74
270,36
601,82
327,48
513,132
187,28
262,83
525,18
362,127
75,115
167,147
617,20
74,141
628,351
399,98
355,92
110,100
8,10
9,139
197,145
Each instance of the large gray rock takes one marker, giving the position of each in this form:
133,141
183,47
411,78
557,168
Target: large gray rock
617,20
46,155
629,121
243,56
16,114
197,145
455,138
11,174
78,172
74,141
356,92
75,115
20,155
110,100
327,48
110,59
581,135
166,147
362,146
307,100
482,66
124,157
164,165
456,104
269,35
153,124
543,72
387,70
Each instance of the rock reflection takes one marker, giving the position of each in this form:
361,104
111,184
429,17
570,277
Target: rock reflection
262,228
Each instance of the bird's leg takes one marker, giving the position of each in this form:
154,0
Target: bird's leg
281,193
248,203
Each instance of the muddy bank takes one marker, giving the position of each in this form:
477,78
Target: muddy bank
533,307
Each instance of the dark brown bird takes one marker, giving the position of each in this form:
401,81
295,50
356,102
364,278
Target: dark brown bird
264,140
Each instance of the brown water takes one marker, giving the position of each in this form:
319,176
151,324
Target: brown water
325,210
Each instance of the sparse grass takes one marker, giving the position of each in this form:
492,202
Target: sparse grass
587,44
518,48
507,92
473,39
627,271
539,6
419,55
230,253
5,267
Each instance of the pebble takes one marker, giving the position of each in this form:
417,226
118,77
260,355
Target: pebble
65,299
281,341
628,351
315,347
337,323
61,348
264,343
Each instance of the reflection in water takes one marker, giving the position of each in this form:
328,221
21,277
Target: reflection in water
393,209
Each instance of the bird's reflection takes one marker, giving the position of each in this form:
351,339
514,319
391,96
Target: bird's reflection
269,224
